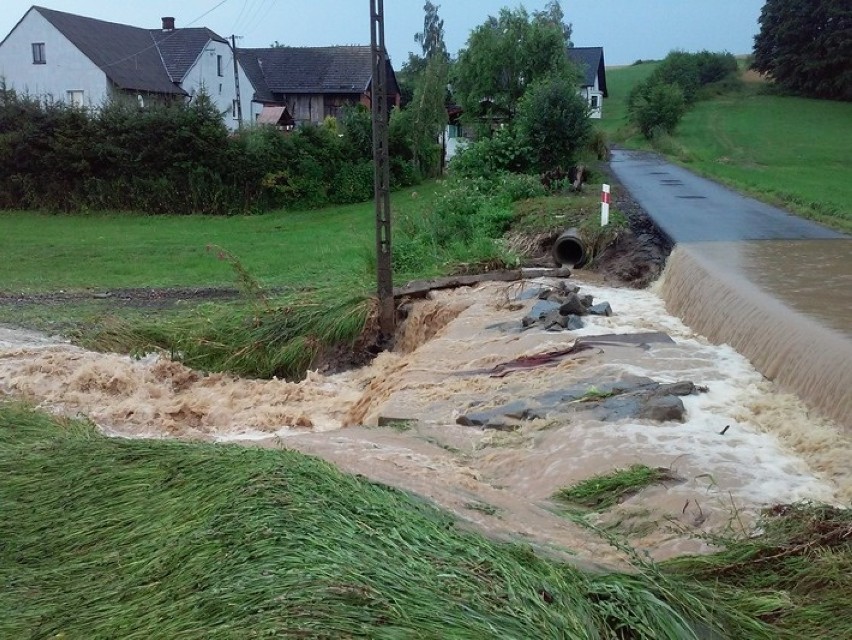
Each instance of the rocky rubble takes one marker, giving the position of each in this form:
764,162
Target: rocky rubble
561,308
633,397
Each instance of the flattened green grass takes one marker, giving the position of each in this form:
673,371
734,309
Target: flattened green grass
803,553
608,489
109,538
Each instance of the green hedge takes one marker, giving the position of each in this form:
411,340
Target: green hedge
176,159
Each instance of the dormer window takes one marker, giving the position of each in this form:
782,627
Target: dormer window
38,53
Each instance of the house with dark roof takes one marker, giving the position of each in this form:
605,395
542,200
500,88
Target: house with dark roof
590,62
88,62
313,83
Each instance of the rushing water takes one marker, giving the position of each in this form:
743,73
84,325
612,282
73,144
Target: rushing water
814,277
786,305
744,443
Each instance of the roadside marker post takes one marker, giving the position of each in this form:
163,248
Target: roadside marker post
605,205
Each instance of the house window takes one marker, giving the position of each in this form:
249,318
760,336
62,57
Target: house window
219,68
38,53
75,98
596,102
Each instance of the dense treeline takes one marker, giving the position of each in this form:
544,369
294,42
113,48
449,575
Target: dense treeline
805,47
178,159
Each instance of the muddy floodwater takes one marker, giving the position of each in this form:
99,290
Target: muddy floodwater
743,443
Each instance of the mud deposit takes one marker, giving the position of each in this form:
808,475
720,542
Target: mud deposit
501,481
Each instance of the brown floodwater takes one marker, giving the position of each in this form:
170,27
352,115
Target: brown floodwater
814,277
774,448
785,305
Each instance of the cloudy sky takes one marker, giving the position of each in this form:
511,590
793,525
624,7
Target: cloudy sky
627,29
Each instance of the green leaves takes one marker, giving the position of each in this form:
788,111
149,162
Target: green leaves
657,104
553,121
504,56
805,46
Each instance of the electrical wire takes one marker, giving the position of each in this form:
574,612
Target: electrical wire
156,44
261,17
236,25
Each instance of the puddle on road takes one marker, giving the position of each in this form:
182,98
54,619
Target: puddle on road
772,451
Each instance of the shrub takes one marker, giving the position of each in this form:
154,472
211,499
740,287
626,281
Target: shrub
598,145
553,121
517,186
354,183
691,71
657,106
502,152
178,159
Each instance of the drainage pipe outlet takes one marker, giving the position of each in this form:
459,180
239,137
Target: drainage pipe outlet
569,249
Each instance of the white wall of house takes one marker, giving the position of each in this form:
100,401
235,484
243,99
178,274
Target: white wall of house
251,109
455,139
65,69
214,70
594,96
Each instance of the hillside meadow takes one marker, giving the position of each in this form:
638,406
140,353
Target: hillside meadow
788,151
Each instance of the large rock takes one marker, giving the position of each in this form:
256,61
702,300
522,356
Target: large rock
662,409
539,311
573,323
600,309
531,293
573,305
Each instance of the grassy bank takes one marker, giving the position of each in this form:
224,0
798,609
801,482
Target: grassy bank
105,538
789,151
792,152
305,278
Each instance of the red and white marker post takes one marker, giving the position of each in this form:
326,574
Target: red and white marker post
605,205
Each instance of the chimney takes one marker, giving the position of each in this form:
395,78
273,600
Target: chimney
168,24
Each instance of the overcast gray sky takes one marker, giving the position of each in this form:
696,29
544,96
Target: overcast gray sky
627,29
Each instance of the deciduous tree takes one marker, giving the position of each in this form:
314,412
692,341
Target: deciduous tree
805,46
504,56
553,121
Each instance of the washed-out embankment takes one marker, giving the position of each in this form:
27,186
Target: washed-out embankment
706,286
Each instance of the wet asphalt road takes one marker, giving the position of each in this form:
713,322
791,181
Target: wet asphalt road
688,208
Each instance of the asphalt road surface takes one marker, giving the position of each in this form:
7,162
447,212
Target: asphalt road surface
688,208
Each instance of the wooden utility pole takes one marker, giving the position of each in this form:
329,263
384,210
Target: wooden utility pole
379,102
237,82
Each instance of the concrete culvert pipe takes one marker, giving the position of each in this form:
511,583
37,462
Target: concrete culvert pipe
569,249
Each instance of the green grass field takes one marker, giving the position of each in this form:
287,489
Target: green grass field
792,152
45,252
619,81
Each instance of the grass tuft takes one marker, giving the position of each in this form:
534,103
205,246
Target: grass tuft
606,490
284,340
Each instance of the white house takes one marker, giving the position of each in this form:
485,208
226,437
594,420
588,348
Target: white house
87,62
590,61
